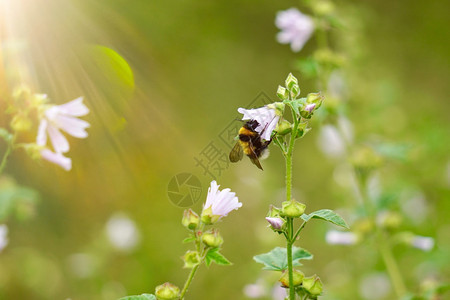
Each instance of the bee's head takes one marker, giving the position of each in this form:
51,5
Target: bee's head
252,124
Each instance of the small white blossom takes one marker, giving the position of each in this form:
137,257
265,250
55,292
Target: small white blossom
122,232
374,286
3,236
334,237
424,243
61,117
296,28
276,223
267,119
331,142
221,202
255,290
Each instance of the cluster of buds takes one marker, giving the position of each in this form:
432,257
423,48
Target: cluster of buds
310,286
277,216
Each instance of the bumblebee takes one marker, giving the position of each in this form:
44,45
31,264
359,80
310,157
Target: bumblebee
250,143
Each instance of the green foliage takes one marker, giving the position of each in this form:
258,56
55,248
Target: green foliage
213,255
326,215
276,260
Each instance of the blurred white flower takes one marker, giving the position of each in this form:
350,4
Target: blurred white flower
276,223
82,265
330,141
3,236
279,293
335,237
57,118
375,286
122,232
267,119
412,202
255,290
424,243
296,28
222,202
57,158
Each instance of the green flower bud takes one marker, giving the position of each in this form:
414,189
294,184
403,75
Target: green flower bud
191,259
291,81
295,91
389,220
190,219
365,159
292,209
302,130
323,7
33,150
313,285
283,127
315,98
297,278
278,107
282,93
21,122
167,291
212,238
363,226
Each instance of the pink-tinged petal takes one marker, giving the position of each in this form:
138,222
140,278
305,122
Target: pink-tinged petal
276,223
59,142
41,138
212,191
73,126
74,108
221,202
57,158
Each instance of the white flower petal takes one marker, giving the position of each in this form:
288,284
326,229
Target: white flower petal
57,158
424,243
74,108
59,142
296,28
73,126
266,118
334,237
3,236
221,202
41,138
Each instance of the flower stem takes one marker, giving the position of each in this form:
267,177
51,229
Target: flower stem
5,157
290,221
381,242
188,281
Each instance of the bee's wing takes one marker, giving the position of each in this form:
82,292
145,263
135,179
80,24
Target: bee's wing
236,153
254,157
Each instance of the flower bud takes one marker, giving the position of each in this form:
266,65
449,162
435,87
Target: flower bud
191,259
282,93
33,150
365,159
323,7
295,91
21,122
212,238
307,111
190,219
315,98
278,107
291,81
276,224
302,130
283,128
274,212
297,278
313,285
167,291
389,219
292,209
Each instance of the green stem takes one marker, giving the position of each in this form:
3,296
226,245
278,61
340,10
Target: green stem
5,156
298,231
381,242
289,243
188,281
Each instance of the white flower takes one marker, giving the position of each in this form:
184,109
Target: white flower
3,236
276,223
334,237
296,28
424,243
221,203
255,290
331,142
267,119
57,158
57,118
122,232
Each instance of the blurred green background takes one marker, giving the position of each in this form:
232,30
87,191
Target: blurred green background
163,79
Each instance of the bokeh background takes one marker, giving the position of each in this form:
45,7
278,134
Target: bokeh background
163,79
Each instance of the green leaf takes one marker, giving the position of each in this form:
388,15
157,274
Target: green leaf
188,240
327,215
139,297
213,255
276,260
